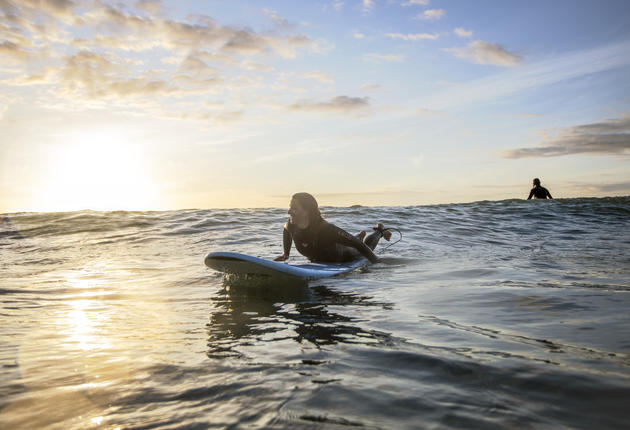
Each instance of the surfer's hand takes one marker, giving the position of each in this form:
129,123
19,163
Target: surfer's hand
283,257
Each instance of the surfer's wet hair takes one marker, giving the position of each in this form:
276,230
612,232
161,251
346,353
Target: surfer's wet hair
310,205
536,181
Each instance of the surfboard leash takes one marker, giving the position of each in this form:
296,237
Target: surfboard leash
380,251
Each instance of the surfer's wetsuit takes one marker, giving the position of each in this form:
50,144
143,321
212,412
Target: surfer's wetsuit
539,192
325,242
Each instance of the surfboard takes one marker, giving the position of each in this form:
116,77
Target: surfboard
242,264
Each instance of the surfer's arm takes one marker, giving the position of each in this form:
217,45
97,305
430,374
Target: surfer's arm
531,193
548,193
345,238
287,241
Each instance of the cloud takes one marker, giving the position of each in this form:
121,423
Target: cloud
358,35
610,137
482,52
461,32
115,56
381,58
619,187
412,37
197,32
371,87
431,14
245,43
151,6
13,52
514,80
54,8
280,22
368,5
336,104
98,76
216,118
196,66
319,76
415,3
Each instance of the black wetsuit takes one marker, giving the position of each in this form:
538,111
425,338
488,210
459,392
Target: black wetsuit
539,192
325,242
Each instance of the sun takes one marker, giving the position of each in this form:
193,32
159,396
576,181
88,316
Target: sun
100,172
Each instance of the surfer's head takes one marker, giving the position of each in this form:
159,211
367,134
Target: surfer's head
536,182
304,210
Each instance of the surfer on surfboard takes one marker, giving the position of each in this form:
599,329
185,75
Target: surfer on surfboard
321,241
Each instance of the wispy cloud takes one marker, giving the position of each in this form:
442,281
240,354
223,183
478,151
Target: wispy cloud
431,14
415,3
371,87
481,52
368,5
610,137
541,73
462,32
319,76
413,37
278,20
336,104
384,58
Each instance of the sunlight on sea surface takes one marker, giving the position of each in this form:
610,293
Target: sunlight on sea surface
485,315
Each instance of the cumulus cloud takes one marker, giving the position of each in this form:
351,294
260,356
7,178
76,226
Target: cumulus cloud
384,58
336,104
432,14
245,42
412,37
13,52
610,137
196,66
462,32
114,59
98,76
482,52
135,32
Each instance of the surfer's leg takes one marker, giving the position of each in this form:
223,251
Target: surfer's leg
373,238
345,253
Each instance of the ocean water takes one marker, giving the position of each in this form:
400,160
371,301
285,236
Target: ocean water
508,314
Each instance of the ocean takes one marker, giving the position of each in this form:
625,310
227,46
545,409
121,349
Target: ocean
490,315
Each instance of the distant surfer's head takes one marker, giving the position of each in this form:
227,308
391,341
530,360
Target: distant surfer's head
304,209
536,182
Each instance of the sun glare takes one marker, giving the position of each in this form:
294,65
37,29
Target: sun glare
94,171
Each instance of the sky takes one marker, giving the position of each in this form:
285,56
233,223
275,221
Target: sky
159,105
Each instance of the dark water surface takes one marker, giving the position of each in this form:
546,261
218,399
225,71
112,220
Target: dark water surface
510,314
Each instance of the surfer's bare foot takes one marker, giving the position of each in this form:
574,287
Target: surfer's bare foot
385,232
283,257
362,235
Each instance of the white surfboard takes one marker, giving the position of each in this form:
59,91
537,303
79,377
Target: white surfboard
235,263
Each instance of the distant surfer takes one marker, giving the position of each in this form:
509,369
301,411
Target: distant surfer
321,241
539,192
